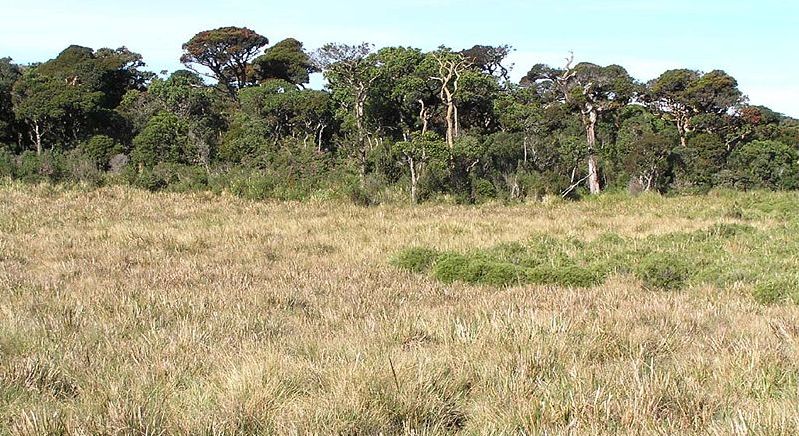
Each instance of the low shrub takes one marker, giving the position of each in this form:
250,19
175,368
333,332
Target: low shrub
660,271
567,275
495,273
451,267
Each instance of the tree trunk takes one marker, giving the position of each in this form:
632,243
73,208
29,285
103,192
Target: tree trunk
37,137
457,120
414,179
423,116
593,173
525,150
450,121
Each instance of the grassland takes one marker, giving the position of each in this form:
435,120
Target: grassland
126,312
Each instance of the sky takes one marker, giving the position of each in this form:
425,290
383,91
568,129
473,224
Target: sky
754,41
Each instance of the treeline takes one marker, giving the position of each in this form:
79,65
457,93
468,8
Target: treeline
392,123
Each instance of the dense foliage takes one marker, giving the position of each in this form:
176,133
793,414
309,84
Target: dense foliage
391,123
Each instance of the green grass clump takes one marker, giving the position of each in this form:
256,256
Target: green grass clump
777,291
415,259
725,254
726,230
663,271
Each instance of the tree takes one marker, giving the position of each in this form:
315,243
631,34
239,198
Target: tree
227,52
110,71
351,72
647,144
287,61
683,96
450,67
489,60
184,95
403,98
417,153
521,109
45,104
164,139
593,91
9,73
765,164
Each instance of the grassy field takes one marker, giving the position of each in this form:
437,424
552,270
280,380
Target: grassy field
127,312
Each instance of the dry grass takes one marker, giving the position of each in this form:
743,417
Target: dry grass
128,312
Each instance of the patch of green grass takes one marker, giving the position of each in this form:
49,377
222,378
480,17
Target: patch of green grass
660,271
415,259
777,291
722,255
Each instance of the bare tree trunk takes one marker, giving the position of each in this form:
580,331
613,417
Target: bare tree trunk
359,113
450,123
37,137
414,179
423,116
319,137
590,119
593,173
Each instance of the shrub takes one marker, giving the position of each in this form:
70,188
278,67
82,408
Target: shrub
100,149
451,267
660,271
7,163
500,274
566,275
367,193
81,168
415,259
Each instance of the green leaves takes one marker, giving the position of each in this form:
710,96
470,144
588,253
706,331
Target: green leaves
287,61
227,52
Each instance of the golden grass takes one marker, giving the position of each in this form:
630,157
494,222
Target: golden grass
123,311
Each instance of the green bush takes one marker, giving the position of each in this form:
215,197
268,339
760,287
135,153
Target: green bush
451,267
35,168
100,149
567,275
500,274
660,271
415,259
8,166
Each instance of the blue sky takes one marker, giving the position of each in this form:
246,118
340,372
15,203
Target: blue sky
752,40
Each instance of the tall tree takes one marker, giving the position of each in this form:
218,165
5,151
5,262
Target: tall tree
110,71
450,67
683,96
226,52
351,73
490,59
287,61
593,91
9,73
46,104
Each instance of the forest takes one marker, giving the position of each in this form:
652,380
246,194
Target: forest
391,124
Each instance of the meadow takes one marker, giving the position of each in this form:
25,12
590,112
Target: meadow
129,312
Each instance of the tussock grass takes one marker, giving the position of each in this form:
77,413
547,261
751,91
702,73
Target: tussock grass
127,312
